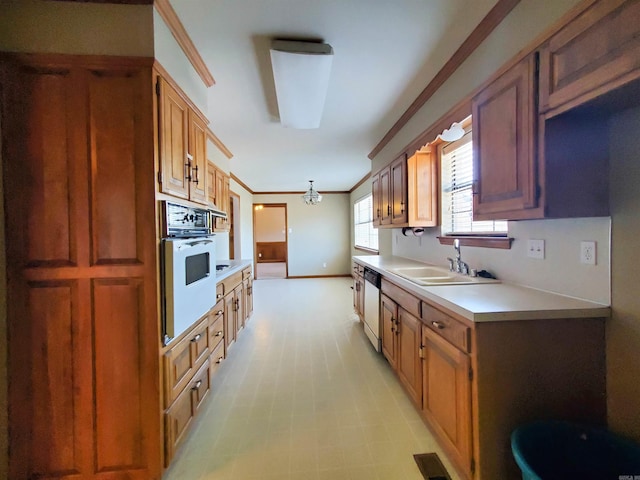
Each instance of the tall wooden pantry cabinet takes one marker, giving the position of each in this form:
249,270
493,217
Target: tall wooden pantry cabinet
78,159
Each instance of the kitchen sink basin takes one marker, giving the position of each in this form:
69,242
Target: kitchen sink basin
430,276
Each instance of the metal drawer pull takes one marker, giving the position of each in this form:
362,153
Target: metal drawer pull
220,360
196,338
219,295
219,334
438,325
197,385
219,312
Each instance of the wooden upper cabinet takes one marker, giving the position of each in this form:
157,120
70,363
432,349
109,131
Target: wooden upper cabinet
596,52
183,147
377,200
389,188
385,196
504,144
174,139
422,189
198,150
211,182
398,173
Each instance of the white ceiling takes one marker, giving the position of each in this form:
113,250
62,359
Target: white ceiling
386,52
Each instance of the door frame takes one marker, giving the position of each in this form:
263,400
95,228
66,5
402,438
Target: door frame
234,227
286,236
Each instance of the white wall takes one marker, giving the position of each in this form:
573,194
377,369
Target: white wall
623,330
175,62
318,234
73,28
245,222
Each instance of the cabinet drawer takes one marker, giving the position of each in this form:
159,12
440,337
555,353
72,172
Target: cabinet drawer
358,270
177,420
219,291
216,325
447,327
182,360
407,301
246,274
232,282
216,359
200,386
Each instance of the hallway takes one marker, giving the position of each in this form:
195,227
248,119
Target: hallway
303,395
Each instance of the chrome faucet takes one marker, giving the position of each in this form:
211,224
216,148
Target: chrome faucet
458,265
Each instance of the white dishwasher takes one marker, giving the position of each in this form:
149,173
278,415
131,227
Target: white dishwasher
372,307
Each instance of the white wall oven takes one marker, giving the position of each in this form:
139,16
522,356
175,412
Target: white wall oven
188,268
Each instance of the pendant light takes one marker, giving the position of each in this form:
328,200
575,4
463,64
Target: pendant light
311,197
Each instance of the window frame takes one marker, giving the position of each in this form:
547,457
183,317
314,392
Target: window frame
364,248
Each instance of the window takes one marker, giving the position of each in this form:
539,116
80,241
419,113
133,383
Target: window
365,235
457,196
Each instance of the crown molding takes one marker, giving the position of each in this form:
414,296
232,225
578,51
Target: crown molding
241,183
472,42
178,31
218,143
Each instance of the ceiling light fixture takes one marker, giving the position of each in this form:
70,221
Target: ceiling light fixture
301,75
312,197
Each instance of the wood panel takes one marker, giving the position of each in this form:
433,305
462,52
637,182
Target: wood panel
271,252
409,361
118,366
385,196
46,152
398,175
596,52
174,136
377,199
114,111
389,311
403,298
198,148
422,189
504,144
447,395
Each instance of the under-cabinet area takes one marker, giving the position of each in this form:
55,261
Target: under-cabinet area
190,361
478,360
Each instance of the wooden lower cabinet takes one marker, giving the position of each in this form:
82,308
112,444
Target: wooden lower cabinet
358,290
446,394
389,313
409,365
179,416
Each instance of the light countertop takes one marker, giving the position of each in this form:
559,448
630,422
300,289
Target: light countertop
488,302
234,266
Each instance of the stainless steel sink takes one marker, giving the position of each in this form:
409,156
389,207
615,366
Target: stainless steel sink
430,276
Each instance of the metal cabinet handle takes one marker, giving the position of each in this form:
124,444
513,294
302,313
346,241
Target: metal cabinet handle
197,180
219,334
218,295
187,166
388,209
196,338
401,207
219,312
197,385
438,325
219,360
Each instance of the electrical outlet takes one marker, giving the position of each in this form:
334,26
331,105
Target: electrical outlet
535,249
588,253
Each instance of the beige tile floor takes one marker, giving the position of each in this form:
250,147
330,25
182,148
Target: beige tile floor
303,395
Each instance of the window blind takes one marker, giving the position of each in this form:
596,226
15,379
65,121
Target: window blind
365,235
457,192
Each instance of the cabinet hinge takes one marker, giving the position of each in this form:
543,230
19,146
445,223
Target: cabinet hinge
158,87
159,177
421,351
470,374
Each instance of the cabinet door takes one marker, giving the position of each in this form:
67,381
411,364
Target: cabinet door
229,320
385,196
389,311
422,189
398,176
248,298
594,53
504,144
409,361
174,139
446,393
360,299
211,183
198,149
239,307
377,200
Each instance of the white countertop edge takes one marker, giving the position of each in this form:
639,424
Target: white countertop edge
586,308
234,266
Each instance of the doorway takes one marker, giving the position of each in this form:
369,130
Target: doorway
234,229
270,240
